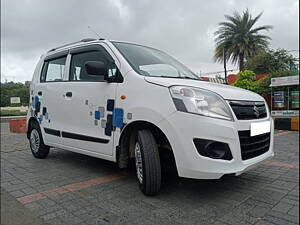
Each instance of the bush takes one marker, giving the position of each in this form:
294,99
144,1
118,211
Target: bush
246,80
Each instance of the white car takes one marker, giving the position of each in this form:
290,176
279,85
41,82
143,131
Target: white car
121,101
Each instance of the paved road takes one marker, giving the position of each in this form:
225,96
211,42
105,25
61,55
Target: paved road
69,188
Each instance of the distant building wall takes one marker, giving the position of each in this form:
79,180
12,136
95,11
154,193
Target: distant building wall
259,76
231,78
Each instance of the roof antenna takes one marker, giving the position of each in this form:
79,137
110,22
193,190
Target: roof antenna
91,29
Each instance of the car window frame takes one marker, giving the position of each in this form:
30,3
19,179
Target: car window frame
47,59
85,49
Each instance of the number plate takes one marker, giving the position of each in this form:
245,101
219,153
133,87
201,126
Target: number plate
260,128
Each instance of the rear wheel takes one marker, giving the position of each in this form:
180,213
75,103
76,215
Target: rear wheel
147,162
37,146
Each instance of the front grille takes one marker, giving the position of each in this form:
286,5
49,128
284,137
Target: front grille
253,146
245,110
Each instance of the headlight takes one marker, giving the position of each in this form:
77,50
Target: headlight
199,101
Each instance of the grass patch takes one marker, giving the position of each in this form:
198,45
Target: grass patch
6,112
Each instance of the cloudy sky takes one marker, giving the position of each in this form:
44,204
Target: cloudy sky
183,29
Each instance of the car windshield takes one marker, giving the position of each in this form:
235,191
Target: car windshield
152,62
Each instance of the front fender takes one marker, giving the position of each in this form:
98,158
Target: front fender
146,114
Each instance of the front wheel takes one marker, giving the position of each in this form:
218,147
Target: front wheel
37,146
147,163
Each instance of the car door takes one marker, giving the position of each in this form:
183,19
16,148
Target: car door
47,97
88,103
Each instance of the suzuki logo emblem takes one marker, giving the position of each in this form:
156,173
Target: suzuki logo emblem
256,111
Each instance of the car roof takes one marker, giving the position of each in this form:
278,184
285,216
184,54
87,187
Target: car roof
72,44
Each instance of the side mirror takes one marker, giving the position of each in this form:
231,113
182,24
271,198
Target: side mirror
96,68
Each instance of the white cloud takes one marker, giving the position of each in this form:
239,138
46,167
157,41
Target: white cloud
183,29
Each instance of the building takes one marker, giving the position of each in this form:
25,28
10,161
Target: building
285,102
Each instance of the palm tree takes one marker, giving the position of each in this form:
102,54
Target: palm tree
238,39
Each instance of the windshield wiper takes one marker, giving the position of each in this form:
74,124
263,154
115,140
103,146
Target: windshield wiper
170,77
191,78
182,77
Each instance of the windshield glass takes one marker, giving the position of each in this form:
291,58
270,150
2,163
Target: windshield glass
152,62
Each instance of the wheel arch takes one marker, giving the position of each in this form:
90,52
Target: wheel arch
125,149
29,124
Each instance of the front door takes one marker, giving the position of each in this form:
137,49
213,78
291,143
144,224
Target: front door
88,104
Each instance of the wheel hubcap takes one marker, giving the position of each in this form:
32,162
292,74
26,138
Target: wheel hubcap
138,162
34,140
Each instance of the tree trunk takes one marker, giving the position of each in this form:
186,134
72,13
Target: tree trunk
241,62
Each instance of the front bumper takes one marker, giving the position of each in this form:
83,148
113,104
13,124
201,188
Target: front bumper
181,128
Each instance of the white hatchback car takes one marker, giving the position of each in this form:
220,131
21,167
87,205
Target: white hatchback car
120,101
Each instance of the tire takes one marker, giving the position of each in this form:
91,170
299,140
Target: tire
148,167
37,146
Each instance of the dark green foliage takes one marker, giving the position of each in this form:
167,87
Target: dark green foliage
12,89
270,61
264,83
239,38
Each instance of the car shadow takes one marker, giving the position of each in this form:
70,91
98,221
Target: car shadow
171,182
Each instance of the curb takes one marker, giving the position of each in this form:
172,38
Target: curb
287,123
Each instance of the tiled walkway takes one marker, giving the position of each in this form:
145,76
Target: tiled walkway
69,188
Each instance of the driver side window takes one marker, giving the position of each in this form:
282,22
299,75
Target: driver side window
77,68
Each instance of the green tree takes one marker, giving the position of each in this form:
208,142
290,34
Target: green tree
246,80
239,39
270,61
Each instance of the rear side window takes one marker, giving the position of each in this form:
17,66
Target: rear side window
77,69
53,70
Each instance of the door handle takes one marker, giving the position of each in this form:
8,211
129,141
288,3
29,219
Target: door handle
69,94
40,93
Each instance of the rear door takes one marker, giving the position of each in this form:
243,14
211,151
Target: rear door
88,103
47,97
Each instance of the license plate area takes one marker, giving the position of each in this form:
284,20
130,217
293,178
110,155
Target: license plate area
260,128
